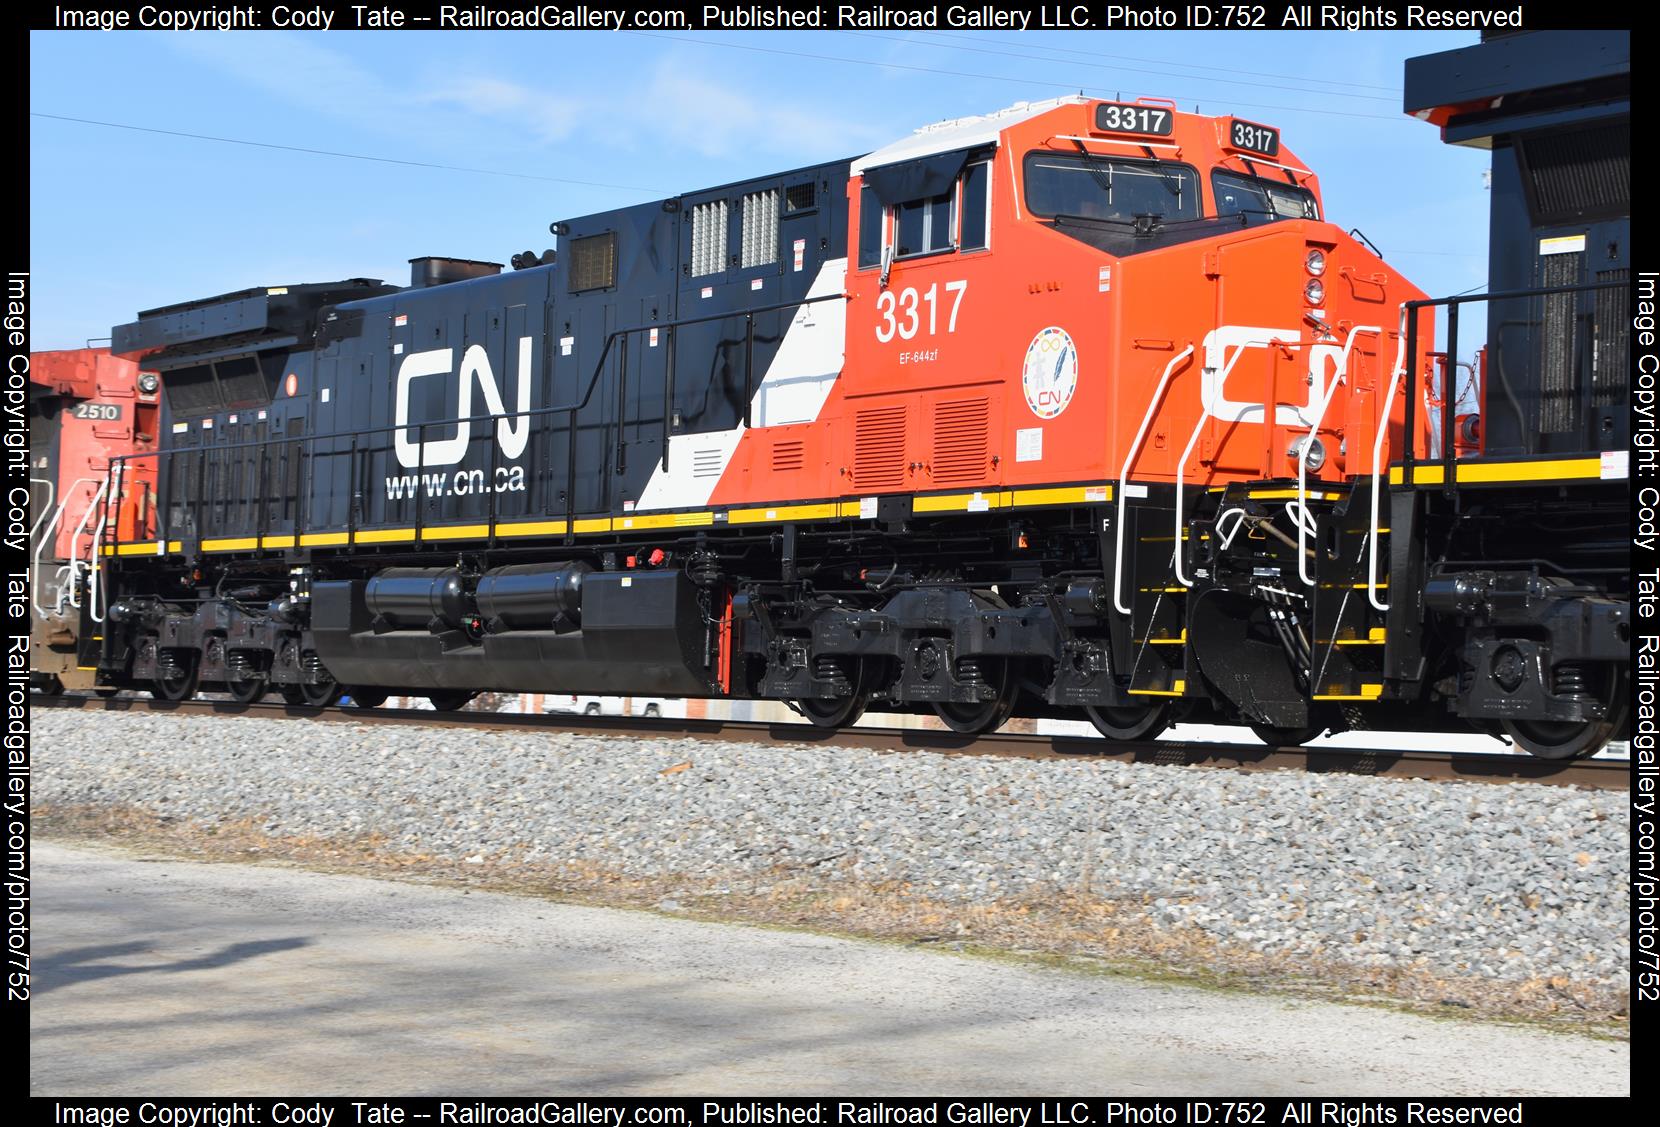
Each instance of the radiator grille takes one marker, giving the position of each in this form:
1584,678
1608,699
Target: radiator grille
961,435
760,245
708,238
879,448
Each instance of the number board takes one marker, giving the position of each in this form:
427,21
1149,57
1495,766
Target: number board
1121,117
104,411
1253,138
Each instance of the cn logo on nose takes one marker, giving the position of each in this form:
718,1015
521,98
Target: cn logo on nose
512,433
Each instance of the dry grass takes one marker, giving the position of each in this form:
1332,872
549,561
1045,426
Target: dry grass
1080,930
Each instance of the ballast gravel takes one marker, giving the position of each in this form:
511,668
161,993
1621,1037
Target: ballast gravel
1501,882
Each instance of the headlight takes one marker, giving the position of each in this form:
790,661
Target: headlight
1316,262
1315,291
147,383
1316,452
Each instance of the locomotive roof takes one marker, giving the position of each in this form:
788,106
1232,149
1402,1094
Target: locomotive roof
961,132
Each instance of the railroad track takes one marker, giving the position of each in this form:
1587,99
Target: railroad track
1598,774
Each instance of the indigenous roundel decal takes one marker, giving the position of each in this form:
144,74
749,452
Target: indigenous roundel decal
1051,372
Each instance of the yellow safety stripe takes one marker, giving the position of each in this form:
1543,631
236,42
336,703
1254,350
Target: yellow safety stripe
1367,692
1179,691
1556,469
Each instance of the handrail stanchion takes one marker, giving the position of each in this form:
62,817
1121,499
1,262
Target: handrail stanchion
1187,452
1378,462
1124,477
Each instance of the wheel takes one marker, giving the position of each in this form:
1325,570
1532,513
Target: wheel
249,690
592,709
653,711
181,685
1288,737
1577,739
107,694
368,696
838,712
50,685
985,715
450,700
1130,722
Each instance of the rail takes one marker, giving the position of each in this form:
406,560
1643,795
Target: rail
1339,377
1187,451
1494,767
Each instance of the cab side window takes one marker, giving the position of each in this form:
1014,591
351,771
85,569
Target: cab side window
955,220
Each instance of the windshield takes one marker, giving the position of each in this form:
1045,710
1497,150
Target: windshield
1092,187
1261,201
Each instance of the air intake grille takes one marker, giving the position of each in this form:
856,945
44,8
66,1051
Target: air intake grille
961,431
1558,378
594,262
788,455
799,198
760,244
1611,341
879,448
708,238
1579,175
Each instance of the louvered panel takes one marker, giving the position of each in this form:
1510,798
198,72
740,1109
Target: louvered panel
788,455
879,448
961,436
708,463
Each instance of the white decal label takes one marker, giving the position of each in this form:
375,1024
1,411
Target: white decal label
180,428
978,503
1104,279
800,254
1135,491
1616,464
1028,445
627,581
706,291
232,419
867,508
1050,374
323,395
654,338
1562,244
565,345
400,320
207,424
755,283
397,349
1095,493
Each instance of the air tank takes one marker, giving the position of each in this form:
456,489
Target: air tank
532,596
413,598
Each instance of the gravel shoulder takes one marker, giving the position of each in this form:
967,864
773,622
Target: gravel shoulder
156,976
1451,898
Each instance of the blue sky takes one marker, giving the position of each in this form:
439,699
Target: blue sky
122,221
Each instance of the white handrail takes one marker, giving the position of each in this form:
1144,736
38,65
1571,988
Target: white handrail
1377,463
1181,463
1340,377
1225,532
98,539
75,541
46,538
1124,477
34,556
